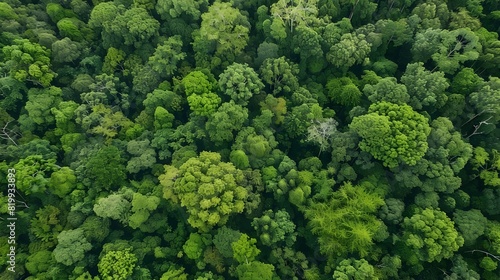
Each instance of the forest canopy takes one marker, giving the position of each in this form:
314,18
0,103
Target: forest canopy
252,140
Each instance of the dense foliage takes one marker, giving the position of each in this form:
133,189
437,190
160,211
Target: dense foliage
259,140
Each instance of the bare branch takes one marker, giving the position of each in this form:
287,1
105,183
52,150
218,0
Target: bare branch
7,132
486,253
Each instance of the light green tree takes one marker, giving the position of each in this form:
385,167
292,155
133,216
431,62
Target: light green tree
208,188
430,235
392,133
347,222
244,249
354,269
27,61
222,36
117,265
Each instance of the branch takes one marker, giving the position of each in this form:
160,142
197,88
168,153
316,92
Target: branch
478,126
5,134
486,253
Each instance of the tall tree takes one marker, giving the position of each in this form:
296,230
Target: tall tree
208,188
222,36
392,133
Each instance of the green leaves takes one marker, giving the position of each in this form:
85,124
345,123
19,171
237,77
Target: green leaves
228,118
223,33
175,8
166,56
392,133
352,49
347,223
117,264
209,189
28,61
354,269
426,88
244,249
240,82
431,235
275,227
71,247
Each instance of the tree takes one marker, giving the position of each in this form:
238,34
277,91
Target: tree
166,56
105,168
117,264
222,36
143,156
257,147
28,61
244,249
175,8
39,262
343,91
264,51
388,90
274,227
446,156
240,82
255,270
228,118
447,48
71,247
208,188
65,50
307,43
466,81
113,59
347,222
102,120
114,206
321,133
426,88
354,269
46,225
193,247
288,14
471,224
461,270
7,12
352,49
280,74
96,229
62,181
299,118
275,106
40,102
198,88
392,211
142,206
33,173
56,12
431,15
135,26
392,133
487,166
484,103
73,28
224,238
430,235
